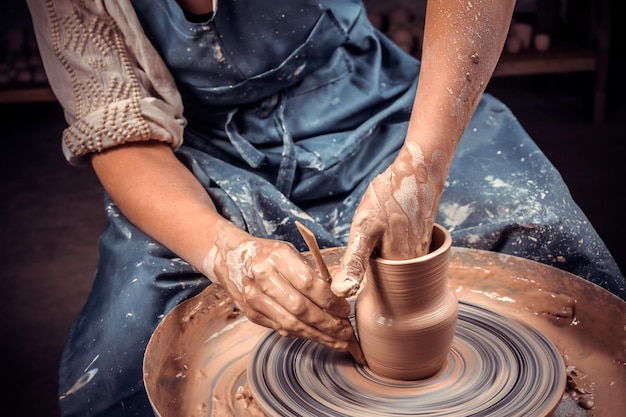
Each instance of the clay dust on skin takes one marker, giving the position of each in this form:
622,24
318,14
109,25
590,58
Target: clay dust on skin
236,261
229,269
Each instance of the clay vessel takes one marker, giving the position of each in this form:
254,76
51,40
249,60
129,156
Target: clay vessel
406,314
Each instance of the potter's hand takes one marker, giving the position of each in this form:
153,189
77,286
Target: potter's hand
275,287
395,216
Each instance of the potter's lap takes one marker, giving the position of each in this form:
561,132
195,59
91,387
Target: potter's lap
504,195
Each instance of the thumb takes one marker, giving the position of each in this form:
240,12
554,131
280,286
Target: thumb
351,269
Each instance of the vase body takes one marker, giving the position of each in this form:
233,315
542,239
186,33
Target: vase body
406,314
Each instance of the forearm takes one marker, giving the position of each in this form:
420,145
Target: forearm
462,45
158,194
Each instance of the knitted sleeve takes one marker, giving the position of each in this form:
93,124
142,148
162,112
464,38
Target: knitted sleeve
111,82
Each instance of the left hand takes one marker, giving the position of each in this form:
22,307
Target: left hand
396,215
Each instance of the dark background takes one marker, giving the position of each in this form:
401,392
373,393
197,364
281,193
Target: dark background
51,214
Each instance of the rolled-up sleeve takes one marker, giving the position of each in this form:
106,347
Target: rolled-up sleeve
111,82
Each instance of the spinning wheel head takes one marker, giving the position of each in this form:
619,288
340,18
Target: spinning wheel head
496,367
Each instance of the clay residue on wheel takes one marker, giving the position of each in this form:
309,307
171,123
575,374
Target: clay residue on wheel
196,358
585,322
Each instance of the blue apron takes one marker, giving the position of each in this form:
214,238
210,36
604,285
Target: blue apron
293,107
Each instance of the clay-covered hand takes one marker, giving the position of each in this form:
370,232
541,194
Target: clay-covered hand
274,286
395,216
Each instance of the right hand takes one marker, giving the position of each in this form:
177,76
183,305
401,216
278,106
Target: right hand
274,286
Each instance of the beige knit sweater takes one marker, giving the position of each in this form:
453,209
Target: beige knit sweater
111,82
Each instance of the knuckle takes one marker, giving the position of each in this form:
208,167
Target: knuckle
296,306
290,323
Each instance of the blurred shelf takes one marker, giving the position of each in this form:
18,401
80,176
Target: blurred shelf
26,94
580,36
547,62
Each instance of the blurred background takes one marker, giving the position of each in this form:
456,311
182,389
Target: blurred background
561,74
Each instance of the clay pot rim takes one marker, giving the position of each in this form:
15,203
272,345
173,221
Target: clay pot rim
444,247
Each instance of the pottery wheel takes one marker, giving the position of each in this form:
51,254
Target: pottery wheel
205,360
496,367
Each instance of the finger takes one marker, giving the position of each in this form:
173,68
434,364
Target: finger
335,333
340,328
353,264
395,244
302,317
308,283
368,227
304,297
302,309
317,289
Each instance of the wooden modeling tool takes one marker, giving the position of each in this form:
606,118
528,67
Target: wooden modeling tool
311,242
309,238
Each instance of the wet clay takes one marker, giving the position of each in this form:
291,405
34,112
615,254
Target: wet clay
196,363
406,314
